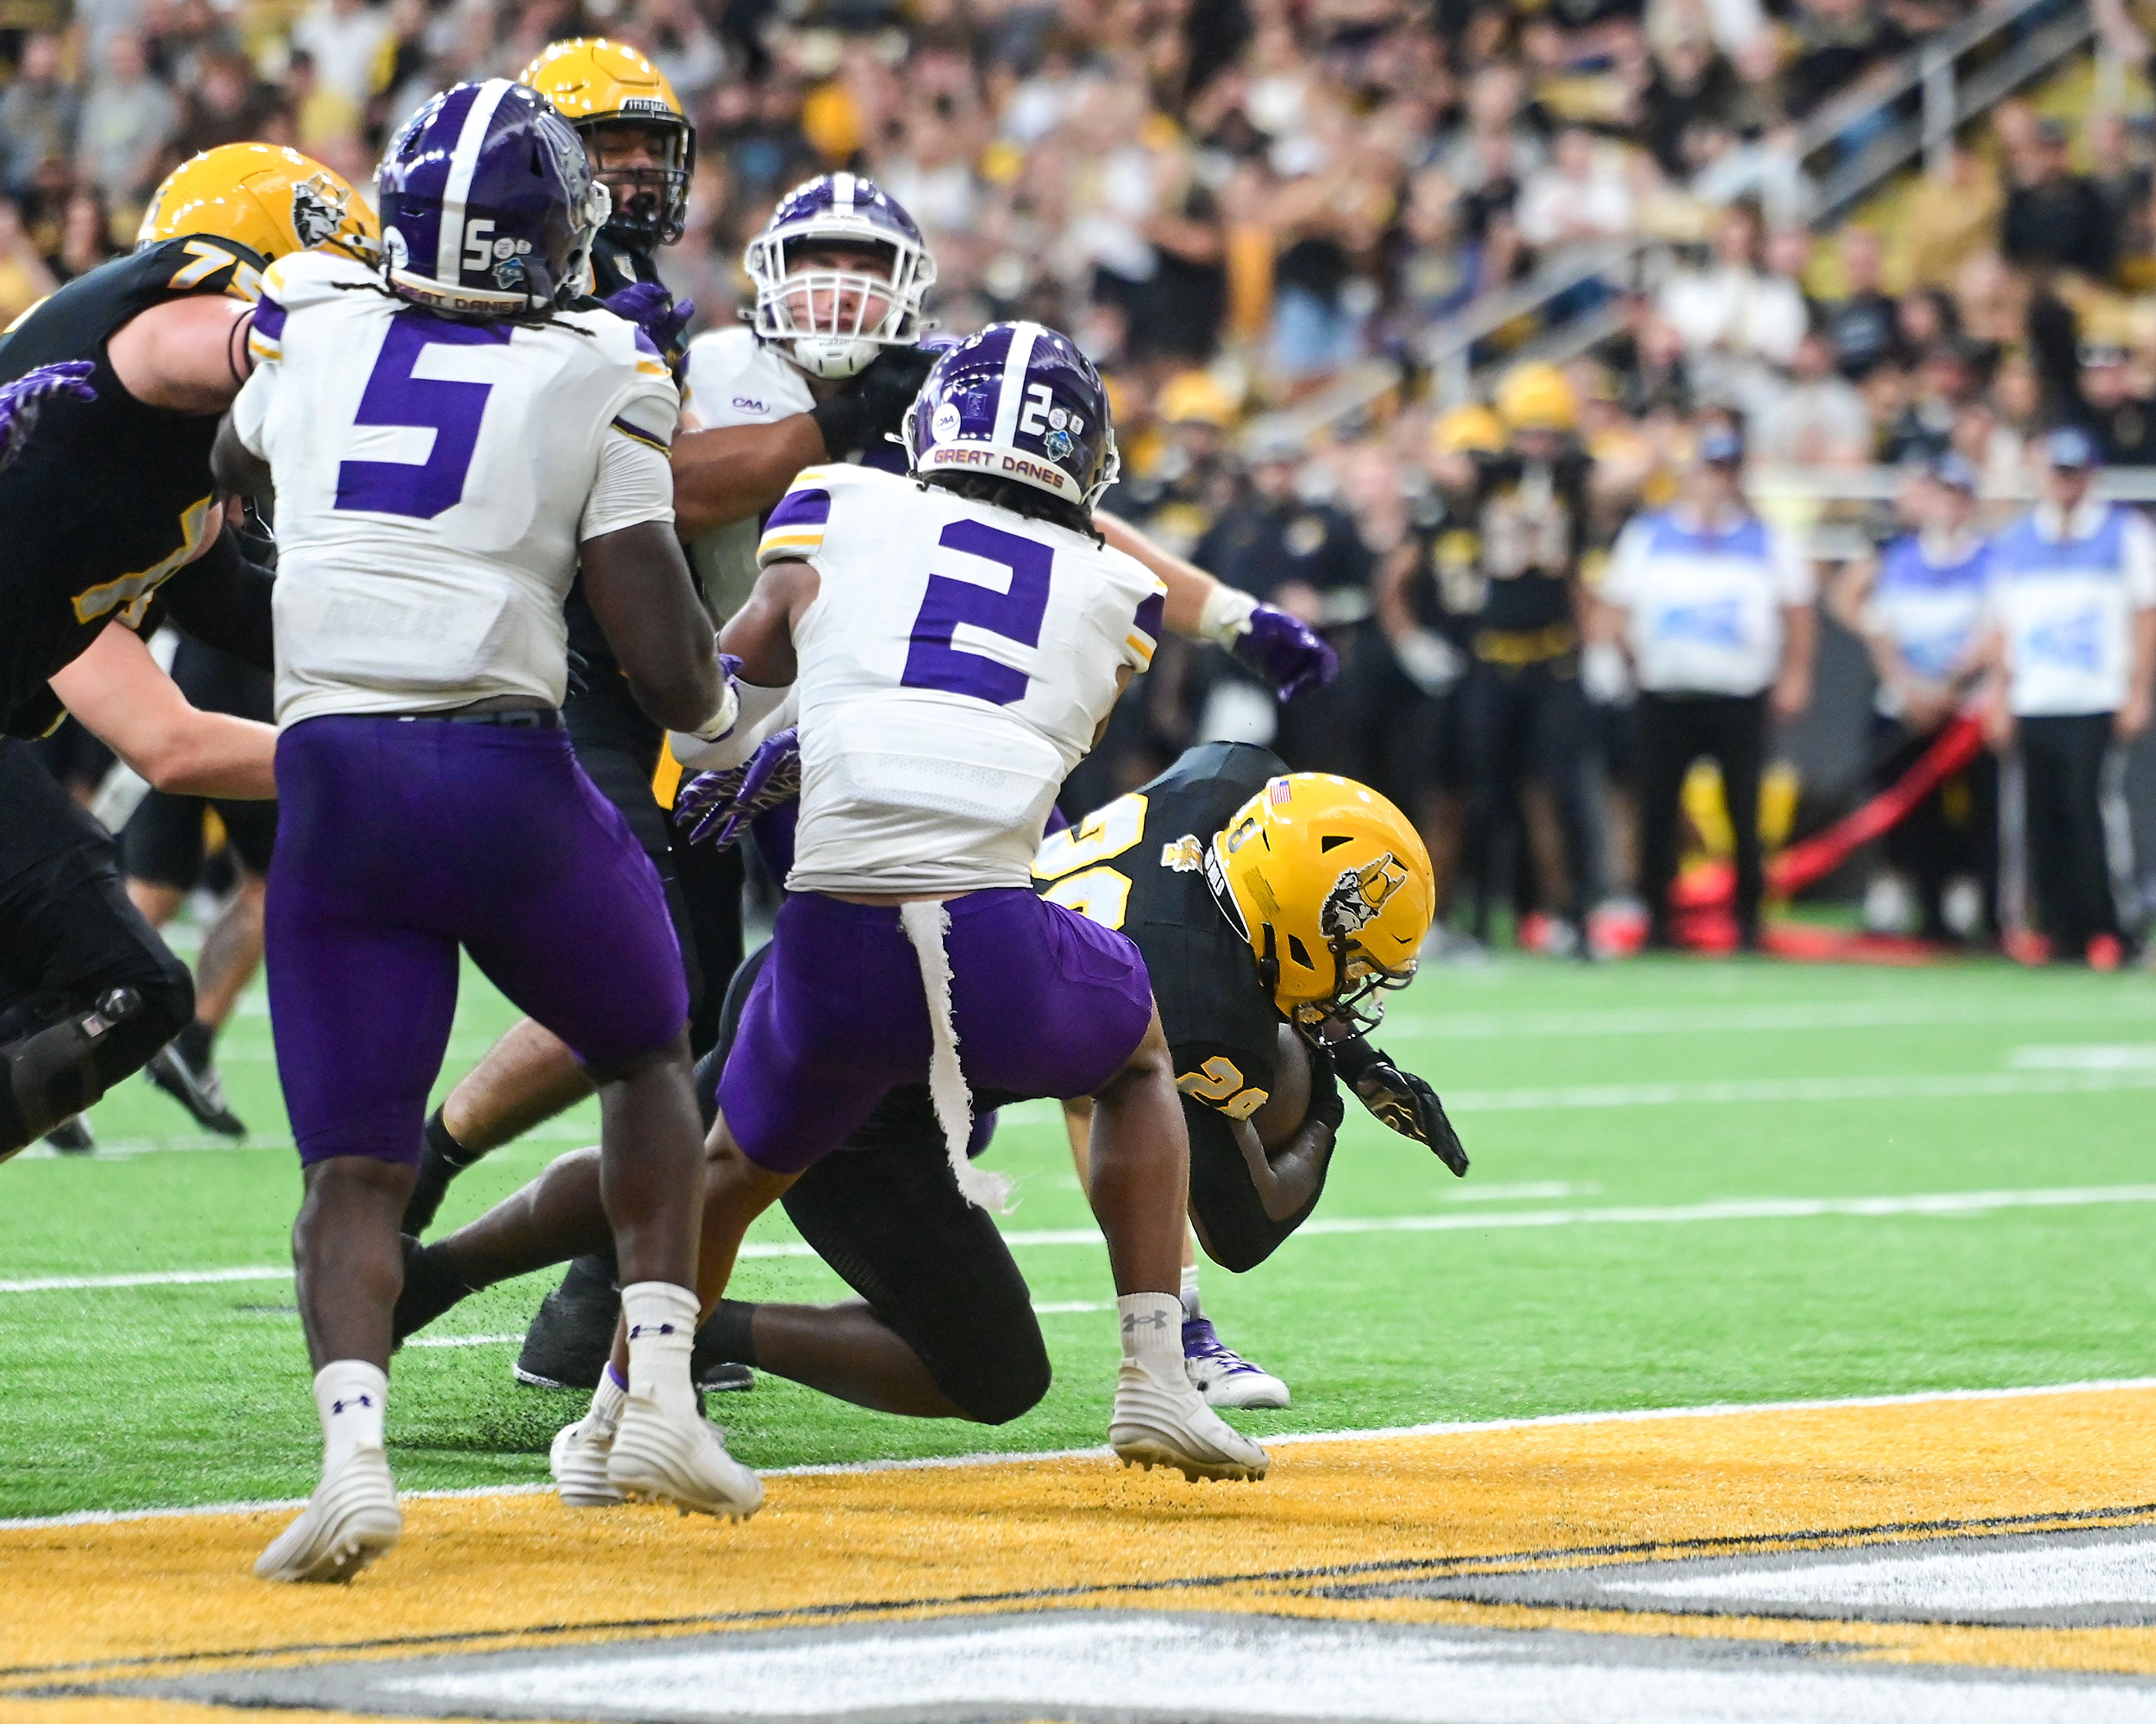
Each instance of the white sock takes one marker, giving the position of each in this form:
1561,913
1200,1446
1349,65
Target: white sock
1153,1332
349,1394
606,1402
1192,1310
662,1330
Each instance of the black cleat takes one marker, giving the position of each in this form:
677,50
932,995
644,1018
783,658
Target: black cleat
572,1336
71,1137
429,1289
720,1377
196,1087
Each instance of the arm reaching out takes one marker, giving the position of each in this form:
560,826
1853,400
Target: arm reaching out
125,698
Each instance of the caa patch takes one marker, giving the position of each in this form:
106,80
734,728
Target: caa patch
944,426
1359,894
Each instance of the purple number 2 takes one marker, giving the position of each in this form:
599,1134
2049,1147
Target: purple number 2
451,408
934,662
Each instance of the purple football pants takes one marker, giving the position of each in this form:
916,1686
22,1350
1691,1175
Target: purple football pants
399,841
1045,1003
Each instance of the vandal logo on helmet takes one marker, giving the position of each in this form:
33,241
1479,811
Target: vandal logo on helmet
317,210
1359,894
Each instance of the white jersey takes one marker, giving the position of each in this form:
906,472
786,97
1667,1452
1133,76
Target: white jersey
954,667
434,480
730,377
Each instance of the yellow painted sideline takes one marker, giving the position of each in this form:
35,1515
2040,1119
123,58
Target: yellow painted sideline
136,1595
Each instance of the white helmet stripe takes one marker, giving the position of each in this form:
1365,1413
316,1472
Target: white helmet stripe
1011,396
842,192
463,162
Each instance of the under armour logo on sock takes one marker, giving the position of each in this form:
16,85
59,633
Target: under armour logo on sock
646,1329
336,1407
1157,1322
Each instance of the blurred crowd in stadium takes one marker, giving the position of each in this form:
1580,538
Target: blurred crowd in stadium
1234,204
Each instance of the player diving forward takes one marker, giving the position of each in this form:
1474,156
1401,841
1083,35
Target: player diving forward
447,447
109,518
944,1326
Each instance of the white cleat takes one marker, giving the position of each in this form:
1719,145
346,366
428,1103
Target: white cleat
658,1457
1157,1424
578,1462
1223,1376
351,1520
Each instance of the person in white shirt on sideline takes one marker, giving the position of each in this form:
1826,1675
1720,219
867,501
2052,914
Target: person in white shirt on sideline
2072,601
1918,606
1715,612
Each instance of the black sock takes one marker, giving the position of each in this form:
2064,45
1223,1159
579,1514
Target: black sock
194,1042
452,1152
724,1338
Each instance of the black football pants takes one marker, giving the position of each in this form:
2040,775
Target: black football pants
68,937
1522,722
1675,730
2063,798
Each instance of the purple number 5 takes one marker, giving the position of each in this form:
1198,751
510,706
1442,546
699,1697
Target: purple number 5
451,408
933,662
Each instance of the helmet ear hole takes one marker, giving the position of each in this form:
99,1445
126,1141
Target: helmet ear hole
1330,839
1299,952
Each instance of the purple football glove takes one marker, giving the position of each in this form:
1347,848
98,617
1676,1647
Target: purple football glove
721,804
1291,657
652,307
20,400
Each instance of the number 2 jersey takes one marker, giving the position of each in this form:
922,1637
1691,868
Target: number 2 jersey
954,665
1137,865
109,498
434,480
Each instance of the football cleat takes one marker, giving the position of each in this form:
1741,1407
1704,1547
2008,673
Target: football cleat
1223,1376
679,1457
72,1136
1157,1424
196,1088
351,1519
720,1377
572,1336
578,1462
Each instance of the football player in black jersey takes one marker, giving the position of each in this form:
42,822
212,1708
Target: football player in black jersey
1273,910
1526,717
112,518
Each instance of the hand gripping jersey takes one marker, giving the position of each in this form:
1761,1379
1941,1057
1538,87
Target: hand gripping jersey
1137,865
434,479
109,498
953,668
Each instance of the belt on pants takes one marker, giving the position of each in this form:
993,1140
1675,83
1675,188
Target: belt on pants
516,718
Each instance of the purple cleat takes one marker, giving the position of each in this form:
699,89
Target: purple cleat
1223,1376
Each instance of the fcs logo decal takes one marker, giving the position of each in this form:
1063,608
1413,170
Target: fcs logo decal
1359,894
1186,855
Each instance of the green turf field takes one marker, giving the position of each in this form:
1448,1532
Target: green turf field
1620,1243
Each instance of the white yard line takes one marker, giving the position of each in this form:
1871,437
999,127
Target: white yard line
104,1517
1945,1086
1939,1203
2014,1013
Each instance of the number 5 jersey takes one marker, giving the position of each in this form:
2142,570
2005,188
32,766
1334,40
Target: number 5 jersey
954,667
434,479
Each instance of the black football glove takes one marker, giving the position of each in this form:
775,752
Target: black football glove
872,404
1399,1099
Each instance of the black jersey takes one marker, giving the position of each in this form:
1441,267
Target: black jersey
1137,865
1530,518
109,498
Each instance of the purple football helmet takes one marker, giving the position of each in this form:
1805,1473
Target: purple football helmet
1017,401
821,317
487,204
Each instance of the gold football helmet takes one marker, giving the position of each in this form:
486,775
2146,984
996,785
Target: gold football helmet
270,199
1332,889
597,84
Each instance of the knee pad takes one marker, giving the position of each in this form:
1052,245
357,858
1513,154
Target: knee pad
53,1074
1005,1379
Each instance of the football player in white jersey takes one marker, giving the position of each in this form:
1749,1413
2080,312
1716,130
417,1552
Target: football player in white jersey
447,447
955,642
